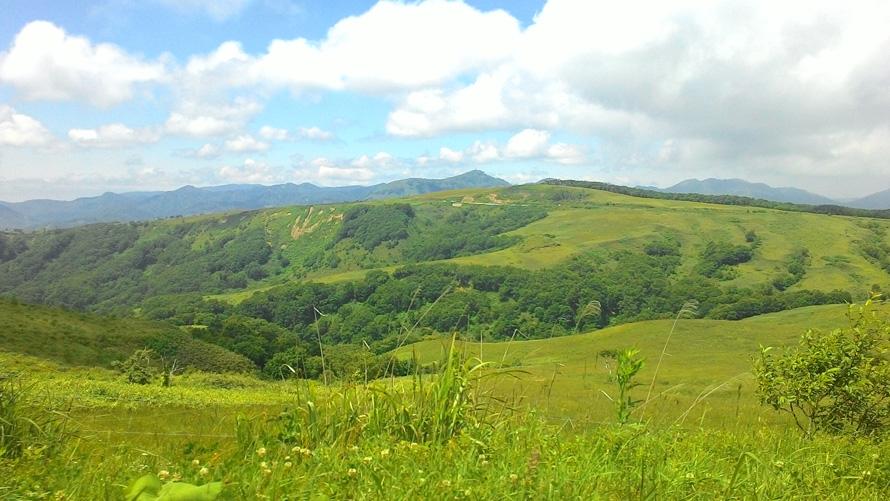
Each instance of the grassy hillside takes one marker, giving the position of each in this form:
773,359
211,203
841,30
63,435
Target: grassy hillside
76,339
443,436
105,267
565,378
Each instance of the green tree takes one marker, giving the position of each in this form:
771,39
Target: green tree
836,382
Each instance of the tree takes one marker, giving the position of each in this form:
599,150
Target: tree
138,369
836,382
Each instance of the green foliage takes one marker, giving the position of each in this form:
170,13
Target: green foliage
140,367
628,364
717,258
23,426
836,382
372,225
149,488
797,268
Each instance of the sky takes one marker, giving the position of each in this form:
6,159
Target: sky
127,95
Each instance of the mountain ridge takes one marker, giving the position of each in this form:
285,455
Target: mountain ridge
190,200
741,187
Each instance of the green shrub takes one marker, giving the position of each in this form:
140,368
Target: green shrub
836,382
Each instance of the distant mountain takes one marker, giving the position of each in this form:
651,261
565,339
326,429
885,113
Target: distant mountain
742,188
879,200
189,200
10,217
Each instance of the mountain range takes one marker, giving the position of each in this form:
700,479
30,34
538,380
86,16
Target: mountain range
742,188
190,200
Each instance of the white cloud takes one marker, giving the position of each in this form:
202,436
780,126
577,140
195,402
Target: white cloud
567,154
482,152
250,171
218,10
273,134
449,155
112,136
245,143
46,63
198,119
528,143
392,46
785,85
314,134
18,129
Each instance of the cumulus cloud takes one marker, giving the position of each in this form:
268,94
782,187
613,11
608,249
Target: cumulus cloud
314,134
200,119
528,143
273,133
741,86
245,143
525,145
113,136
44,62
250,171
18,129
392,46
449,155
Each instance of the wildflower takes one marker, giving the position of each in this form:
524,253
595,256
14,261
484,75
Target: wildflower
514,477
267,472
446,483
481,457
264,465
352,472
287,458
690,476
779,464
484,462
261,452
176,477
195,462
367,459
296,450
384,453
288,464
163,474
204,472
305,452
354,448
866,473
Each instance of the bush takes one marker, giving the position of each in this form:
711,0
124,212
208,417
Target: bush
837,382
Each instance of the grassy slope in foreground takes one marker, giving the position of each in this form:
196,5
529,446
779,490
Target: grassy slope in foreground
565,377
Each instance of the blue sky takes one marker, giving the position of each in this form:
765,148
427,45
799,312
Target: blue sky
120,95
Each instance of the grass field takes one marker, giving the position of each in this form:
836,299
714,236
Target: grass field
538,426
567,378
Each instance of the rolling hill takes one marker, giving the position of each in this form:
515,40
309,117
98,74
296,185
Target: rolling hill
528,227
75,339
189,200
567,376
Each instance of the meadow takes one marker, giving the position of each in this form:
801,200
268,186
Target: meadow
528,422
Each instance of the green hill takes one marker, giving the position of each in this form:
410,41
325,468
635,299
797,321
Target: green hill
77,339
485,263
566,377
